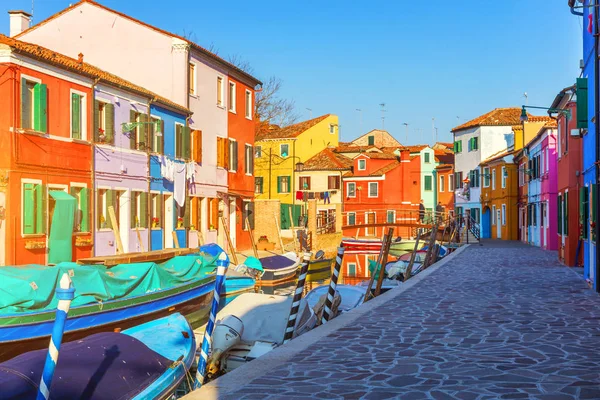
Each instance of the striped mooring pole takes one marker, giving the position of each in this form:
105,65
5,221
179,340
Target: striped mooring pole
332,285
222,264
289,329
65,293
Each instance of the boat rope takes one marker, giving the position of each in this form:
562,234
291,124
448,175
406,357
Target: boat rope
65,294
289,330
327,313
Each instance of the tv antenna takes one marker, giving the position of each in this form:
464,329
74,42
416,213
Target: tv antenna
383,110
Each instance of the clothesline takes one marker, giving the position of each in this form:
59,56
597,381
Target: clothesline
180,174
305,195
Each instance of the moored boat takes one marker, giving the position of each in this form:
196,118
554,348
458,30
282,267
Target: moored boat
147,361
402,247
107,299
319,270
279,268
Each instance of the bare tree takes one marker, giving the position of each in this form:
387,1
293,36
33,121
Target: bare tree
270,106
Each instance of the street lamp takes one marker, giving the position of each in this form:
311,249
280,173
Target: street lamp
299,166
525,117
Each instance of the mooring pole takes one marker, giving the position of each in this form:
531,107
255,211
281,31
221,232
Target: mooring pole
327,313
222,265
65,293
291,324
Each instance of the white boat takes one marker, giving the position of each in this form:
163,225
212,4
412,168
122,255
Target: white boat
252,325
351,296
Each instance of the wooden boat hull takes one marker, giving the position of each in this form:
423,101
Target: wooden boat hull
319,270
361,246
20,333
399,248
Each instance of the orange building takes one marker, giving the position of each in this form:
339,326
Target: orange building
444,173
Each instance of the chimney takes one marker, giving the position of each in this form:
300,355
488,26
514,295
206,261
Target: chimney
19,22
80,58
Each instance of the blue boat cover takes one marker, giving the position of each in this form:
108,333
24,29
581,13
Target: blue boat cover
104,366
276,262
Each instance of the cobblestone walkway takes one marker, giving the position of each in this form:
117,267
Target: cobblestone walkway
496,322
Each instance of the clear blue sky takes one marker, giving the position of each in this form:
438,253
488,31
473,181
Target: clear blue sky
437,58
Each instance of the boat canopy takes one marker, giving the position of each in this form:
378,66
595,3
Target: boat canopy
31,287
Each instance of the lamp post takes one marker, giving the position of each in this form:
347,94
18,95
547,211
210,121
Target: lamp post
524,117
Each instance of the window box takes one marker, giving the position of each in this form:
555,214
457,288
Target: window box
35,244
83,241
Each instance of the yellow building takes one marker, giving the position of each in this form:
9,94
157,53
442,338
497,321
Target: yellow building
278,152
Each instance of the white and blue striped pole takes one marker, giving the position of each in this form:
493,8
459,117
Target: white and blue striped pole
222,264
65,293
327,312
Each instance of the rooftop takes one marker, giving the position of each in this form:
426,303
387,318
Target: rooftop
499,155
275,132
508,116
50,56
327,160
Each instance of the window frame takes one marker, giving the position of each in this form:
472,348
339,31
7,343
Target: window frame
486,177
25,181
192,79
494,179
233,160
387,216
353,214
504,177
136,194
377,190
249,159
220,91
441,184
348,190
352,265
177,156
364,168
35,81
257,151
494,215
248,104
303,179
337,179
289,184
331,129
262,187
451,183
154,149
82,117
430,183
503,214
281,150
232,96
426,158
80,186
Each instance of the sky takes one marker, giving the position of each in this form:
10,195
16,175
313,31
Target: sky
435,63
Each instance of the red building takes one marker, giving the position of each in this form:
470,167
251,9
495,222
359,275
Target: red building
569,163
241,125
384,187
45,131
445,176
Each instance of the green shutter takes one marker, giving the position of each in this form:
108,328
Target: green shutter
40,202
132,138
593,213
110,202
109,123
96,126
560,219
133,209
279,184
235,156
459,146
143,132
583,211
40,101
75,116
144,210
582,103
151,135
161,141
186,132
566,214
28,208
289,184
25,106
178,141
85,214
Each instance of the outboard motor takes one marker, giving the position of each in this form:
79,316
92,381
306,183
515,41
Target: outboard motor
227,333
251,267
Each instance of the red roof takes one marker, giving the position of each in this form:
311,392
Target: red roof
288,132
497,117
327,160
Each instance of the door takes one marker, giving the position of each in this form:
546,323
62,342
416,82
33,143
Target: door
370,220
232,223
169,220
498,224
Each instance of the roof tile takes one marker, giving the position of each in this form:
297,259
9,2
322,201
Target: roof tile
288,132
497,117
327,160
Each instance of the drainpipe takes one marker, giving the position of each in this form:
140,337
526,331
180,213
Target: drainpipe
93,172
597,132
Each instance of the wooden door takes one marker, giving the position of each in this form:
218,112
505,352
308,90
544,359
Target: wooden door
371,220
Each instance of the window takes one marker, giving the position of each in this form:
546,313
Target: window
248,215
137,136
333,182
305,183
503,214
493,179
182,141
458,146
233,155
426,156
156,204
494,222
450,182
473,144
351,269
219,91
222,152
192,79
362,165
521,174
249,160
34,104
373,189
82,214
351,189
428,183
371,140
33,211
196,145
331,129
283,184
391,217
257,151
107,198
474,178
232,96
78,120
284,150
584,210
566,213
258,185
458,180
156,130
351,218
486,177
560,212
139,207
441,183
248,104
504,175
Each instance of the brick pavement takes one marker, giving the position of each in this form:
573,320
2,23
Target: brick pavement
500,321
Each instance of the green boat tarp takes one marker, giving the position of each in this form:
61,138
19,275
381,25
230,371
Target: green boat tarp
60,242
31,287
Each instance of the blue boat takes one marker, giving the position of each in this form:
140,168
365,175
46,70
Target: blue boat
148,361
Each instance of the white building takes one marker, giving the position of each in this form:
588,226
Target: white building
475,141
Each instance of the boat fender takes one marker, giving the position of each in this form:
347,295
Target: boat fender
228,332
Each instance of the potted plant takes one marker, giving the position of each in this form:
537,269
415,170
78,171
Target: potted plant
155,223
179,222
102,222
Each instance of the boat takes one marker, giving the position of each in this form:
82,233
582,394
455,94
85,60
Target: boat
279,268
147,361
319,270
386,284
351,297
362,246
252,325
402,247
106,299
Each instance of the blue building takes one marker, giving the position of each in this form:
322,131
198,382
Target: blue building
587,124
169,198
